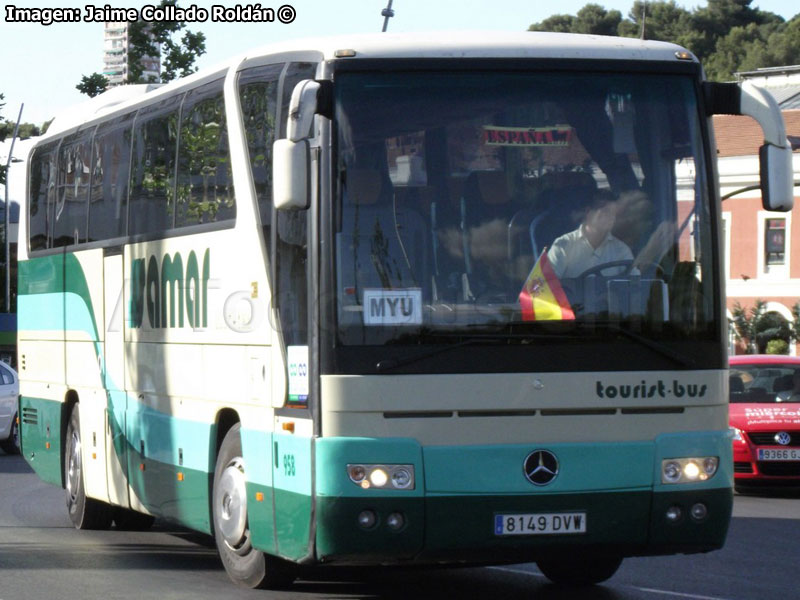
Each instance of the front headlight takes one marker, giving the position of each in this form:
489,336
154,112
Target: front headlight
737,435
387,477
688,470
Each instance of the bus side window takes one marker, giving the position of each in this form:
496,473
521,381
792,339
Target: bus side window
152,192
42,195
291,248
108,202
205,182
72,195
258,95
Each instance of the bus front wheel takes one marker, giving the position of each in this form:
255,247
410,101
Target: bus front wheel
584,570
85,513
246,566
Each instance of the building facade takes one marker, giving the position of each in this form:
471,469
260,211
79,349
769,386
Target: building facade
762,248
115,56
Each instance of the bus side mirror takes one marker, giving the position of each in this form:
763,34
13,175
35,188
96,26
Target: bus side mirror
775,156
777,177
291,158
291,189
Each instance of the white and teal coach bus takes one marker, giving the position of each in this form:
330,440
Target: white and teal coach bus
323,303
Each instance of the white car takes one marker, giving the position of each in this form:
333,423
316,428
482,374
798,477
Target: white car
9,395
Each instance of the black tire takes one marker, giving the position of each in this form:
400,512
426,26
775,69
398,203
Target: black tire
246,566
131,520
11,445
85,513
584,570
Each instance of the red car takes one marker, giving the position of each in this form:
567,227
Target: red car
765,416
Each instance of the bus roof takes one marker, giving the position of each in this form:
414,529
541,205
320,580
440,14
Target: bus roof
483,44
427,45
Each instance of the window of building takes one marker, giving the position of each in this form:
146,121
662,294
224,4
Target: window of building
775,241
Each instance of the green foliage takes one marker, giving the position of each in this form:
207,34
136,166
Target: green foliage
777,347
156,39
152,40
728,36
92,85
759,329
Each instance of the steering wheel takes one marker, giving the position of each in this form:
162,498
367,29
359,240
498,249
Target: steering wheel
628,267
628,264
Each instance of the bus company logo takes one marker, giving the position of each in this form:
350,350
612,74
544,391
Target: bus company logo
173,293
644,389
540,467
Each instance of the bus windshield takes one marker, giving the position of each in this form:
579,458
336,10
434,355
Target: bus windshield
519,203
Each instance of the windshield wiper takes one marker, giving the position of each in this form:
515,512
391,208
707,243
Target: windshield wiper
657,347
471,339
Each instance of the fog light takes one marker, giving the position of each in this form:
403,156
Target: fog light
396,521
699,511
674,514
367,519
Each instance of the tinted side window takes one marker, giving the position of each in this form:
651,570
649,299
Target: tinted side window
42,195
205,181
7,377
296,73
152,195
258,94
74,175
108,202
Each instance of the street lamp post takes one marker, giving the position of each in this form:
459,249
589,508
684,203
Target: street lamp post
387,13
7,245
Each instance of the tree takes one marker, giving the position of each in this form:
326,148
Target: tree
726,35
92,85
744,323
156,39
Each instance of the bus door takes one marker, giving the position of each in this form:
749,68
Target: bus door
114,376
288,242
293,430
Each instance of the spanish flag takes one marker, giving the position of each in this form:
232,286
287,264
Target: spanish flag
542,298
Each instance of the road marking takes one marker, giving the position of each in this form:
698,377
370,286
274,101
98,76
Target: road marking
633,587
679,594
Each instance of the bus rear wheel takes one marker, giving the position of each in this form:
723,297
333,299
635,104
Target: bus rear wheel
245,565
85,513
584,570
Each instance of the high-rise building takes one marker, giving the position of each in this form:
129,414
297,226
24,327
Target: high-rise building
115,56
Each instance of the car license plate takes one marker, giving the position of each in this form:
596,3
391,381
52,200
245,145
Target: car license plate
540,523
779,454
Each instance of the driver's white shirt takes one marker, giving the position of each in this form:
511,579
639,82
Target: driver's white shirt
572,254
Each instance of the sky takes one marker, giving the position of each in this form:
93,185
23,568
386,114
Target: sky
41,65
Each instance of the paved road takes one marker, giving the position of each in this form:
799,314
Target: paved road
42,556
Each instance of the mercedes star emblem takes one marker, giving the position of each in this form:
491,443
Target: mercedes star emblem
541,467
783,438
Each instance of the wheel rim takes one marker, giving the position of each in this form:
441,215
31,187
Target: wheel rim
230,507
74,466
15,434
